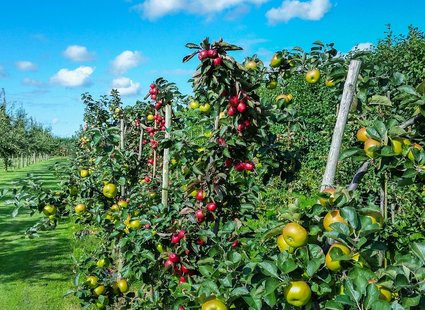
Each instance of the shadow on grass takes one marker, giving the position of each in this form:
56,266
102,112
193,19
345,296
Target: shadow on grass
37,260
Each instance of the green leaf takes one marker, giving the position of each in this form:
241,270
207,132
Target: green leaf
340,228
373,133
350,214
333,305
316,251
269,268
380,100
381,305
398,78
239,291
273,232
419,250
254,303
192,45
189,57
351,152
210,287
381,128
411,301
313,265
421,88
285,263
408,89
234,257
121,181
272,284
77,280
351,291
360,278
226,281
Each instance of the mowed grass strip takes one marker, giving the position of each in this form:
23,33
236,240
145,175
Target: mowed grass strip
34,273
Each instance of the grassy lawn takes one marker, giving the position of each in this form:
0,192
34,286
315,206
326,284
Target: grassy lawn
34,274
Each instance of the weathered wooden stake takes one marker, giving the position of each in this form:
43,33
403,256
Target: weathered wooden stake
154,153
122,137
346,100
139,157
166,157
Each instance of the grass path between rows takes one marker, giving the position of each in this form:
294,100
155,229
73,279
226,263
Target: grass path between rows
34,273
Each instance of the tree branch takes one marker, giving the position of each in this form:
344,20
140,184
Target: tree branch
359,175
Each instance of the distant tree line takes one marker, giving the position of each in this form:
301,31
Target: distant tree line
23,141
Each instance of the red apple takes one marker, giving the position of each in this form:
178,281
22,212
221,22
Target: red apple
211,206
241,107
232,111
175,239
168,263
212,53
199,215
173,257
200,195
181,233
184,269
217,61
235,244
202,54
234,101
241,127
249,165
239,166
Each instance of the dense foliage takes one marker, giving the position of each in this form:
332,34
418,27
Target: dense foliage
190,197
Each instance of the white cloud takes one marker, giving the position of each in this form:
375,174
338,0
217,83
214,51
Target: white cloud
55,120
154,9
366,46
125,86
126,61
25,65
78,53
289,9
73,78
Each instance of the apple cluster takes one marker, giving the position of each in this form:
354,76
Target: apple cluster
211,54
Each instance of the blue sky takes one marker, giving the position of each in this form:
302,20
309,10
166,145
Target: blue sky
53,51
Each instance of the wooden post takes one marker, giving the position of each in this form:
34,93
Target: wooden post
154,152
122,136
216,127
166,158
139,156
346,100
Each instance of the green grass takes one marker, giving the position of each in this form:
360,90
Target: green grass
34,273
